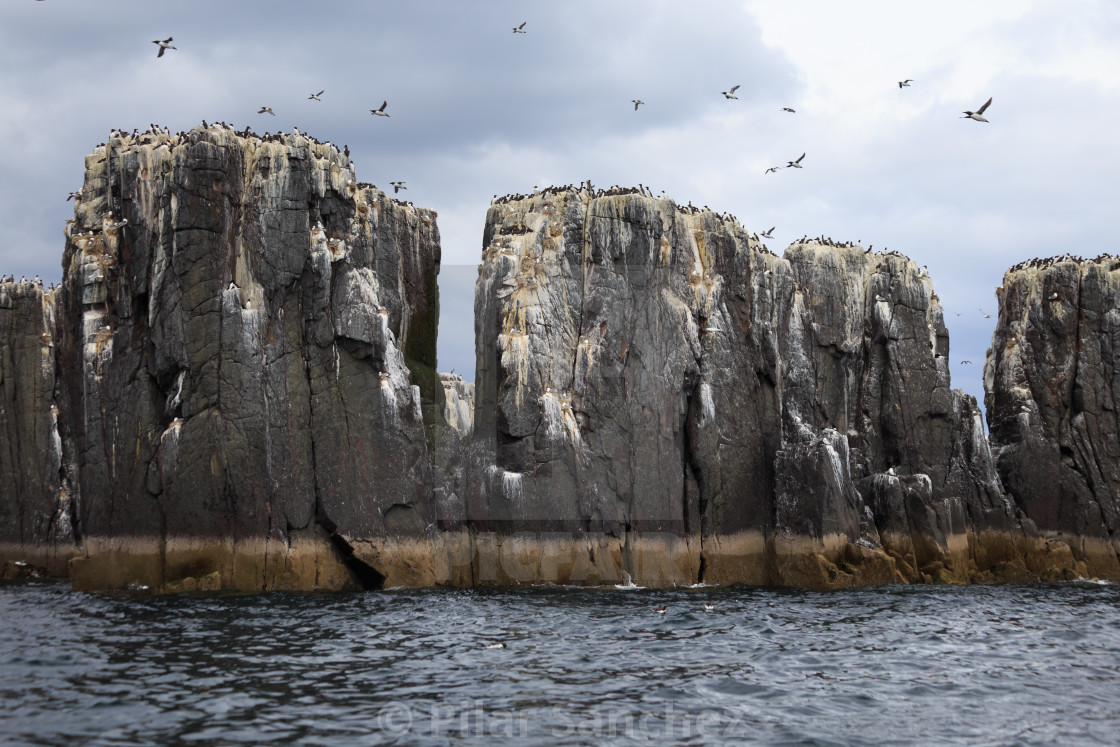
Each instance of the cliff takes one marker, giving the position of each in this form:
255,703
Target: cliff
1052,387
235,387
247,337
661,398
36,511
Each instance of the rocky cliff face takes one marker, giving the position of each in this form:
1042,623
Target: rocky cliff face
661,398
1053,393
36,507
248,337
458,403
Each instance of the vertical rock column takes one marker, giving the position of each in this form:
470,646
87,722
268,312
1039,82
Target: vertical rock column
239,317
1053,395
36,498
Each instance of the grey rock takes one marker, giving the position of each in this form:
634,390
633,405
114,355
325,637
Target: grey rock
1052,385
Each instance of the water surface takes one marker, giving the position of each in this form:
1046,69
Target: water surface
1022,665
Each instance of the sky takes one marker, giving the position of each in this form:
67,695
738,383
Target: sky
476,110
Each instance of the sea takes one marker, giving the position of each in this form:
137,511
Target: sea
978,665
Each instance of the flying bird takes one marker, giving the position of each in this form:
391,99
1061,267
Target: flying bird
315,96
905,83
637,103
977,114
398,186
75,196
767,233
520,29
986,316
266,110
795,164
380,112
966,362
163,46
787,109
730,94
772,168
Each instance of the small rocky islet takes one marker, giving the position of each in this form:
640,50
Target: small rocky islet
235,388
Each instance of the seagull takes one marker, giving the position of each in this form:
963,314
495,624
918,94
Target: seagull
520,29
787,109
75,196
398,186
976,114
773,168
266,110
637,103
163,46
905,83
795,164
1053,296
730,94
766,234
986,316
380,112
315,96
966,363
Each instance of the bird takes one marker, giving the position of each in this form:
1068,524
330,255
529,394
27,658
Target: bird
75,196
163,46
1053,296
905,83
660,610
499,644
708,606
772,168
787,109
963,363
315,96
795,164
637,103
398,186
380,112
767,234
520,29
891,472
986,316
730,94
266,110
976,114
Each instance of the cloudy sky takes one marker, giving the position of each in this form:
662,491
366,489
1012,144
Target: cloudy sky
477,110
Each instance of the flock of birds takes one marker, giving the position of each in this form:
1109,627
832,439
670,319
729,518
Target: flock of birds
587,187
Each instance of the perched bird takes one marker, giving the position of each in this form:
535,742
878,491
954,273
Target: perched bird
730,94
380,112
787,109
905,83
795,164
266,110
163,46
976,114
637,103
315,96
398,186
773,168
520,29
767,234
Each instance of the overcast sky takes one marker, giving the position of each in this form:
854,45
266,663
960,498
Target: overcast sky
477,110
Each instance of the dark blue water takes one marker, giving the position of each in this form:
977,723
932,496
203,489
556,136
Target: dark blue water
1007,665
